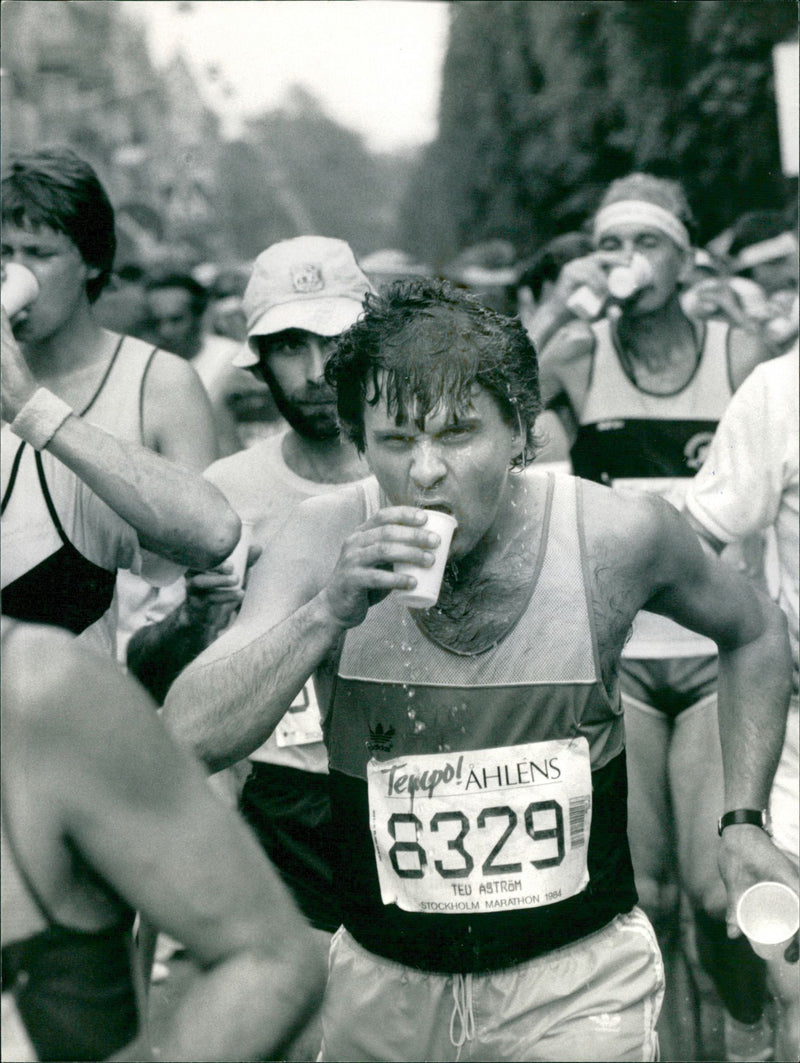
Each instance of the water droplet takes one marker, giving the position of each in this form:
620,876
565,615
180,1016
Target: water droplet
419,727
412,714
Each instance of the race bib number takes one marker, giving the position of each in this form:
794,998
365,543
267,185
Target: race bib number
485,831
301,724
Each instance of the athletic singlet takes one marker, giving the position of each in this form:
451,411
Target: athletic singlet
66,588
632,438
73,989
469,783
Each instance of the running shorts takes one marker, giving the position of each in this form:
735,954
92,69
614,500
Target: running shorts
669,686
290,812
596,999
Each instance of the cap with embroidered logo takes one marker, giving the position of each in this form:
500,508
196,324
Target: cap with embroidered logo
309,282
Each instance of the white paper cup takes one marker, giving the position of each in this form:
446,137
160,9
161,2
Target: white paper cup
238,556
19,288
429,580
586,303
769,915
626,281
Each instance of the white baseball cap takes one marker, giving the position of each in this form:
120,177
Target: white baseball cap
309,282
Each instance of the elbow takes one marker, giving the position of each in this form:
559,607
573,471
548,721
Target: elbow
218,536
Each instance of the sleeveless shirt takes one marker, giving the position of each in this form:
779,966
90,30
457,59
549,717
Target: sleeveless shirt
72,989
631,438
400,695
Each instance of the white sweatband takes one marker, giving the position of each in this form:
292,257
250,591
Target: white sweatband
640,212
40,418
766,251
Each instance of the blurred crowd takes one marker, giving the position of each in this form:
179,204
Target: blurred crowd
155,422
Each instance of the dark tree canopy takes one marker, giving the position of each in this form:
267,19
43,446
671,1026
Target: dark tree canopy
543,103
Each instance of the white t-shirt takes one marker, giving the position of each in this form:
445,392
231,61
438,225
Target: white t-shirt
749,480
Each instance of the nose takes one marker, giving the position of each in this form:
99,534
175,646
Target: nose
316,351
427,468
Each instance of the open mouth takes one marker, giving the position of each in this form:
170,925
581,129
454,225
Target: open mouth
438,507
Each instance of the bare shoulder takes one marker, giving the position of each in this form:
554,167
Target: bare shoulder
60,691
317,526
636,531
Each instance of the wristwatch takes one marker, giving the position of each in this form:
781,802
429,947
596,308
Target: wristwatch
756,817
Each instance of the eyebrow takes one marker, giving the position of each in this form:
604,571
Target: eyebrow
409,427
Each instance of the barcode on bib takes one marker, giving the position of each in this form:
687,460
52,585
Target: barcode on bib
578,807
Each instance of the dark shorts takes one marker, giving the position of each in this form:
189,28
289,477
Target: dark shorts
290,812
669,686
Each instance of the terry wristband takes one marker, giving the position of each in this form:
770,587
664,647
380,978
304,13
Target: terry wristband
756,817
40,418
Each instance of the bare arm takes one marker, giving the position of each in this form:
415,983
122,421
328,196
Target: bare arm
159,652
299,602
565,367
755,670
179,422
175,512
145,819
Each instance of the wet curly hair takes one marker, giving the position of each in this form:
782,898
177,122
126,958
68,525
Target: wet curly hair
424,344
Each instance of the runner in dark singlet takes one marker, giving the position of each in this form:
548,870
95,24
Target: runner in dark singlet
102,814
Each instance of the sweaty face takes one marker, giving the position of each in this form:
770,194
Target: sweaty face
666,260
293,364
173,322
62,275
458,463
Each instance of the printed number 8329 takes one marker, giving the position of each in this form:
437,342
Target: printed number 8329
543,826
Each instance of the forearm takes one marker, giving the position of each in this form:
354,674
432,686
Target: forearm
754,691
175,512
214,1022
226,705
158,653
545,322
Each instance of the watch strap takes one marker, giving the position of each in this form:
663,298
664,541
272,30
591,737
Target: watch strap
756,817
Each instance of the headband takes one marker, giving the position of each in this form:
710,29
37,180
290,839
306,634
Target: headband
640,212
766,251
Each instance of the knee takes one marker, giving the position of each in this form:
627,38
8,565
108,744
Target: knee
660,901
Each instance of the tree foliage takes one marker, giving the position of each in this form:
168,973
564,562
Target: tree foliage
297,171
543,103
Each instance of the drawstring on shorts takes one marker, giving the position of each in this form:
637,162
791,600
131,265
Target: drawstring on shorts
462,1008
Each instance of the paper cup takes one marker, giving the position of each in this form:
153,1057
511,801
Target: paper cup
586,303
769,915
627,281
238,556
429,580
18,289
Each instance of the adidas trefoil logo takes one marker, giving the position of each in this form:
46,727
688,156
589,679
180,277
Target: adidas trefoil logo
380,740
606,1022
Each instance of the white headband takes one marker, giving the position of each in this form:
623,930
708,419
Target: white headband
640,212
767,251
